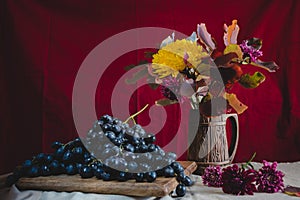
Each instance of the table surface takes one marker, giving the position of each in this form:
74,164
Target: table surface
197,191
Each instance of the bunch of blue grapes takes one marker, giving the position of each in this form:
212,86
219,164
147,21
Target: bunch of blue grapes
111,150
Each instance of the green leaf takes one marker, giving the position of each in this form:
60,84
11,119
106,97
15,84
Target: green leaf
149,54
129,67
137,76
153,86
252,81
165,102
142,62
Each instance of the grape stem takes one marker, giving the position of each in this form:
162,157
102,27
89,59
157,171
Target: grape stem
135,114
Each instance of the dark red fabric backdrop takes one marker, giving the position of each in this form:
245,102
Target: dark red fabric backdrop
43,44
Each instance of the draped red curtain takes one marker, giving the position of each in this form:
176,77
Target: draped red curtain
43,44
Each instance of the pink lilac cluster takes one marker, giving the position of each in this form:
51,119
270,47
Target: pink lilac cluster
250,50
240,181
171,89
270,179
212,176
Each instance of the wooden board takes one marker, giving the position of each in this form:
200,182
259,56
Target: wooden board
64,183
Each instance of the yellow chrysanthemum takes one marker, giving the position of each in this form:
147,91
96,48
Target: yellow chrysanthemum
170,59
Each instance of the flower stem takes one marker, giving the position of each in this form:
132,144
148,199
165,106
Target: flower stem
253,156
135,114
249,162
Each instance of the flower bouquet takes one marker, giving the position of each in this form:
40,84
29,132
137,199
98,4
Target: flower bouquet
195,70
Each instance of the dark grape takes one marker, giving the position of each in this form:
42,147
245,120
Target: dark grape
129,147
86,172
88,160
144,167
77,151
92,134
142,148
151,147
33,171
106,176
137,127
54,167
180,177
45,171
27,164
177,167
93,165
108,145
171,155
157,158
160,171
56,145
97,126
67,157
117,141
107,153
161,152
132,166
180,190
187,181
107,119
167,161
122,176
110,135
78,167
59,152
98,172
77,142
150,176
115,150
117,121
139,177
71,169
48,159
150,139
116,129
86,155
169,172
62,168
40,157
106,127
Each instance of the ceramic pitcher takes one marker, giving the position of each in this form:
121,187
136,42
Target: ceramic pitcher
208,139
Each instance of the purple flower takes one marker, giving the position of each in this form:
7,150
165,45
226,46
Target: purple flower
250,51
269,178
238,181
212,176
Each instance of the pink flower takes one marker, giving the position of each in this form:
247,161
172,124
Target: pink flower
212,176
238,181
270,179
250,51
